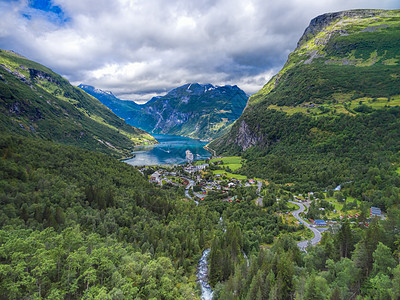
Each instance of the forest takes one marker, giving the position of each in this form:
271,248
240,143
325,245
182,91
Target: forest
313,154
61,204
81,224
76,223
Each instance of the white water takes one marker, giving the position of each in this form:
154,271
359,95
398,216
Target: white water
202,277
246,258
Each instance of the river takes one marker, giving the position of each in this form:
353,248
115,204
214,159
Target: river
171,150
202,277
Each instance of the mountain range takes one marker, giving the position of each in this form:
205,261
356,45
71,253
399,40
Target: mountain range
35,101
195,110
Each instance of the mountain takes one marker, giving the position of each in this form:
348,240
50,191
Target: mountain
123,109
332,112
194,110
35,101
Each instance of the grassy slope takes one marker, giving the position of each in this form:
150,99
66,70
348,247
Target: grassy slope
348,60
339,140
36,101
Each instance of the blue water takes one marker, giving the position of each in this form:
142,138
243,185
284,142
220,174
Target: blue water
170,151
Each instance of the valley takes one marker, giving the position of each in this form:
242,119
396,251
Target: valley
293,193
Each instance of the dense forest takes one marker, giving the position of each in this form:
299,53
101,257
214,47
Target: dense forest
76,223
349,263
60,205
361,152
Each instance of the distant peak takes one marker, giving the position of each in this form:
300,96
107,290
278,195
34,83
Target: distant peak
86,87
95,90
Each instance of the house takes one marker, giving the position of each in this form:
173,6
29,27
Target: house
231,199
155,177
375,212
320,223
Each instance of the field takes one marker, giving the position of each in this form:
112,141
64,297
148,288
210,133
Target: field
341,103
229,175
303,234
292,206
233,162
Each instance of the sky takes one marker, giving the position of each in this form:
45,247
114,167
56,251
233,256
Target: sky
143,48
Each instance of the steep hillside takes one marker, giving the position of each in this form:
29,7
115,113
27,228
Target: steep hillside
36,101
332,112
342,59
193,110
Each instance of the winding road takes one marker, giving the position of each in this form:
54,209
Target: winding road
191,183
317,235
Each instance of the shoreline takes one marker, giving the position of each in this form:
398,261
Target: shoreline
213,152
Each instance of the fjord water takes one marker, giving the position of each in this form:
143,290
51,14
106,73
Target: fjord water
171,150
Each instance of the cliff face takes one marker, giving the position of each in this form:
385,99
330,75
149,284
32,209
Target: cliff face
194,110
343,62
319,23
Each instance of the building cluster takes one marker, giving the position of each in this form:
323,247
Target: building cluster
180,177
195,168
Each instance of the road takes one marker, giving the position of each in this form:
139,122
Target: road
317,235
191,183
259,185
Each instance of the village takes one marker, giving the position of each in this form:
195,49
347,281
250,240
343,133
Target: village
198,181
216,179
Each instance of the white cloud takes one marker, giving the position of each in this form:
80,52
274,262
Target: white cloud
141,48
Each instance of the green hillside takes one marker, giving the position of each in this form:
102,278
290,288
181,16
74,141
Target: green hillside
342,60
331,115
35,101
79,224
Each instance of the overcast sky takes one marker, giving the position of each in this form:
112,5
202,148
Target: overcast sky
141,48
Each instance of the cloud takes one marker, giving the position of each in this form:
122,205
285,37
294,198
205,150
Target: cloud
141,48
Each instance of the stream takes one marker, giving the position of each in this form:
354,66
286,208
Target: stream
202,277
